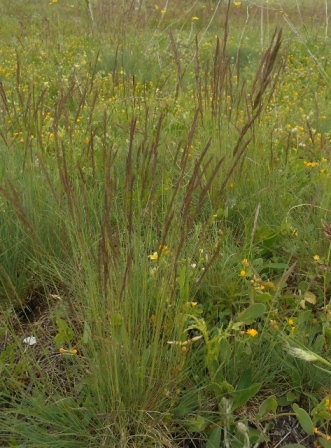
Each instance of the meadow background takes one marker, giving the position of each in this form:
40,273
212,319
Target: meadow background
165,223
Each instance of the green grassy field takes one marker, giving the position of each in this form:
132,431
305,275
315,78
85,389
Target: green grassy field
165,223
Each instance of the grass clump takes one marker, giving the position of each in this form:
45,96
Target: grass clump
164,226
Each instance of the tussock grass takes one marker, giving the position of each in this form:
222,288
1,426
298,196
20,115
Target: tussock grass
164,173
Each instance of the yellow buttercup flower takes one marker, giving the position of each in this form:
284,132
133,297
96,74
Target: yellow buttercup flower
236,4
154,256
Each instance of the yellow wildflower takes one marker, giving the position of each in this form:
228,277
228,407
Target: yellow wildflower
294,231
70,352
164,249
242,273
245,262
154,256
236,4
290,322
316,257
252,332
195,18
269,285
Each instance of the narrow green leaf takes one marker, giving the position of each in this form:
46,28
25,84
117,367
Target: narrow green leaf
304,419
87,333
281,266
188,404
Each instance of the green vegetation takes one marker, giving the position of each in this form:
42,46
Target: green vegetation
165,222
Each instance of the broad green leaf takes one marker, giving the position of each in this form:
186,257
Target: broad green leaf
304,419
197,424
324,443
319,343
256,436
303,286
248,350
290,397
242,396
253,312
214,440
269,242
321,411
65,333
310,297
305,317
225,350
257,263
62,324
245,380
268,405
262,298
226,387
219,388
